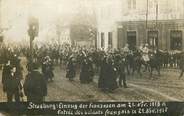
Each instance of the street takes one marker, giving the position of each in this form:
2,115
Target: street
167,87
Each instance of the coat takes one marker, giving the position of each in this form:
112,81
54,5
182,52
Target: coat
71,72
35,86
11,81
107,79
5,73
87,72
110,78
47,70
101,79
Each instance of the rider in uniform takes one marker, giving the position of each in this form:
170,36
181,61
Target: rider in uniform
145,51
126,50
145,54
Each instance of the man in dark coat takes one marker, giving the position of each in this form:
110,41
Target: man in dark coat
122,74
11,83
102,74
6,72
35,87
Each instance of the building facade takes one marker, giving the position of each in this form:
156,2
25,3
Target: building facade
158,23
163,34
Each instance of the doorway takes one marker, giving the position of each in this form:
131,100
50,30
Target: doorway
131,39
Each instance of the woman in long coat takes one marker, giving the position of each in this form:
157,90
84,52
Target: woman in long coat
87,70
84,74
108,75
71,69
111,75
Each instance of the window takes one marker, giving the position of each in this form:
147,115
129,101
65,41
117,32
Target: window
102,39
176,40
110,39
153,38
131,4
134,4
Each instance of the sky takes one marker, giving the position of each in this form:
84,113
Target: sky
15,15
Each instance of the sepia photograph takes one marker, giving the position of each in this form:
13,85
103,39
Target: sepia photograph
92,51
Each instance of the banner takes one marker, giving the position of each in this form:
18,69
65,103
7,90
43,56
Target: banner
95,108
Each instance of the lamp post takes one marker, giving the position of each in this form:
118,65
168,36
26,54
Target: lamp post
156,13
147,3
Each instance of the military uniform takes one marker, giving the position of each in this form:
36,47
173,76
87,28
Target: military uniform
145,56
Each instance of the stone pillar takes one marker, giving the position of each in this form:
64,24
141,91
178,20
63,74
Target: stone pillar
99,40
106,40
114,39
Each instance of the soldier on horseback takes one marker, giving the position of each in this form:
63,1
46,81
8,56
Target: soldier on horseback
126,49
145,55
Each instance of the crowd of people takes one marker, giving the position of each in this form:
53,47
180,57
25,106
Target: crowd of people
111,66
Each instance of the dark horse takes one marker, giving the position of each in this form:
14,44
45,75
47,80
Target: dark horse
135,62
155,61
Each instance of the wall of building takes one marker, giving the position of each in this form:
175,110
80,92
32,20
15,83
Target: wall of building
107,12
167,9
132,17
163,27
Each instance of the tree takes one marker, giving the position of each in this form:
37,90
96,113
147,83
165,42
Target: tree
83,26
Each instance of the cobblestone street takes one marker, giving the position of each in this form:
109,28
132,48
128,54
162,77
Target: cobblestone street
167,87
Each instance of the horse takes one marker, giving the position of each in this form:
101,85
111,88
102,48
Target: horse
137,62
153,63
